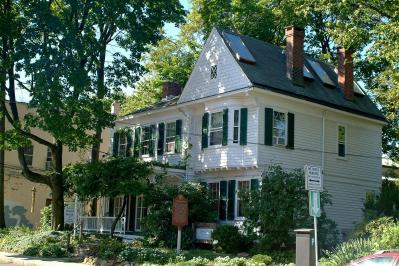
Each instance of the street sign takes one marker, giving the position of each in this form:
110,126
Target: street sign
313,178
314,204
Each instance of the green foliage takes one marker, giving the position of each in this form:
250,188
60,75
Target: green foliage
348,251
40,243
157,227
109,248
110,178
280,206
230,239
267,260
386,203
379,234
151,255
45,218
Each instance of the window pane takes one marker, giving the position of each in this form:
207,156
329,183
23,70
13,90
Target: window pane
28,154
242,186
235,126
216,120
341,134
216,137
279,128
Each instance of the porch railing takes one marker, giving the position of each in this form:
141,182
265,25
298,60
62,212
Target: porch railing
102,224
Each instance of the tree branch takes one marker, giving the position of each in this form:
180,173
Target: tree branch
30,175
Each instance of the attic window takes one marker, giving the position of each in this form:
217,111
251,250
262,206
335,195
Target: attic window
214,71
357,89
307,74
239,49
321,73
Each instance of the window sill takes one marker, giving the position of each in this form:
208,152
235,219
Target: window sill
342,158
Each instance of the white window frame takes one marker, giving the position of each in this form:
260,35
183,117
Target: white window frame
237,198
345,141
142,140
285,128
210,129
137,209
29,155
238,111
214,72
122,136
165,137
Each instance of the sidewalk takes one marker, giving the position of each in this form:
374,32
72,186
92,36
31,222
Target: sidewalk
34,261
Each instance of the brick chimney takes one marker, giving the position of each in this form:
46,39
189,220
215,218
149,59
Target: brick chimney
170,89
294,54
345,72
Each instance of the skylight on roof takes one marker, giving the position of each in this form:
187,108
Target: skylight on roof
241,52
357,89
321,73
306,73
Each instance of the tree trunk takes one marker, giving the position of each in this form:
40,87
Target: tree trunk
57,204
118,217
2,157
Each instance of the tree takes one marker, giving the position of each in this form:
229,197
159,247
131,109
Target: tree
62,53
109,178
281,206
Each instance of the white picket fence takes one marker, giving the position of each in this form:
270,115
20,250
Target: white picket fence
102,224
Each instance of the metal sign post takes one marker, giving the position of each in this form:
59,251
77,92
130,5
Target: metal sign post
314,183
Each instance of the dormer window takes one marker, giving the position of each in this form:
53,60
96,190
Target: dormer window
214,71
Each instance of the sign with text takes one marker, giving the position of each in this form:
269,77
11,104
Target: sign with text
203,232
314,204
180,211
313,178
69,212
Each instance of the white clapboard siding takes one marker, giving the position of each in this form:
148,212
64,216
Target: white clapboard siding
230,77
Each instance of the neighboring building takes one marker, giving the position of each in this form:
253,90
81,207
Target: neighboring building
249,104
25,199
390,169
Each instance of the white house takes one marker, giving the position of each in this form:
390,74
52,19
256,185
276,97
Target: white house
249,104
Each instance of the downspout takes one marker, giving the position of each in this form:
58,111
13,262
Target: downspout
187,118
323,140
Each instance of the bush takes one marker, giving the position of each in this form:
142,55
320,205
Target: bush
141,255
157,228
279,207
109,248
46,218
229,239
41,243
267,260
346,252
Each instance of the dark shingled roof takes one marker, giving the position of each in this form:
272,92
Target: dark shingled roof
159,105
269,72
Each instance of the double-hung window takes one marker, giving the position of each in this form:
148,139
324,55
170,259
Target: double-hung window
49,159
170,138
242,187
236,126
145,140
141,212
122,144
28,154
216,129
341,141
279,128
214,189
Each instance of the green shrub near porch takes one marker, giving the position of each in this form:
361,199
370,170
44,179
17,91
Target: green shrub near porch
157,225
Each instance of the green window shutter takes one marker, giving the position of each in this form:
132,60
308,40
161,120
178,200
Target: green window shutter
290,131
232,200
178,136
254,184
268,126
243,126
137,144
161,138
225,126
152,140
115,146
205,125
129,139
223,200
111,204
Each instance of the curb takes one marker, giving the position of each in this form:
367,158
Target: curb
34,261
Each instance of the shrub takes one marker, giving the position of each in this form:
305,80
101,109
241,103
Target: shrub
229,239
141,255
157,228
45,218
346,252
267,260
109,248
279,207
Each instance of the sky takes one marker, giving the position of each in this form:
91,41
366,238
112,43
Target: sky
170,30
